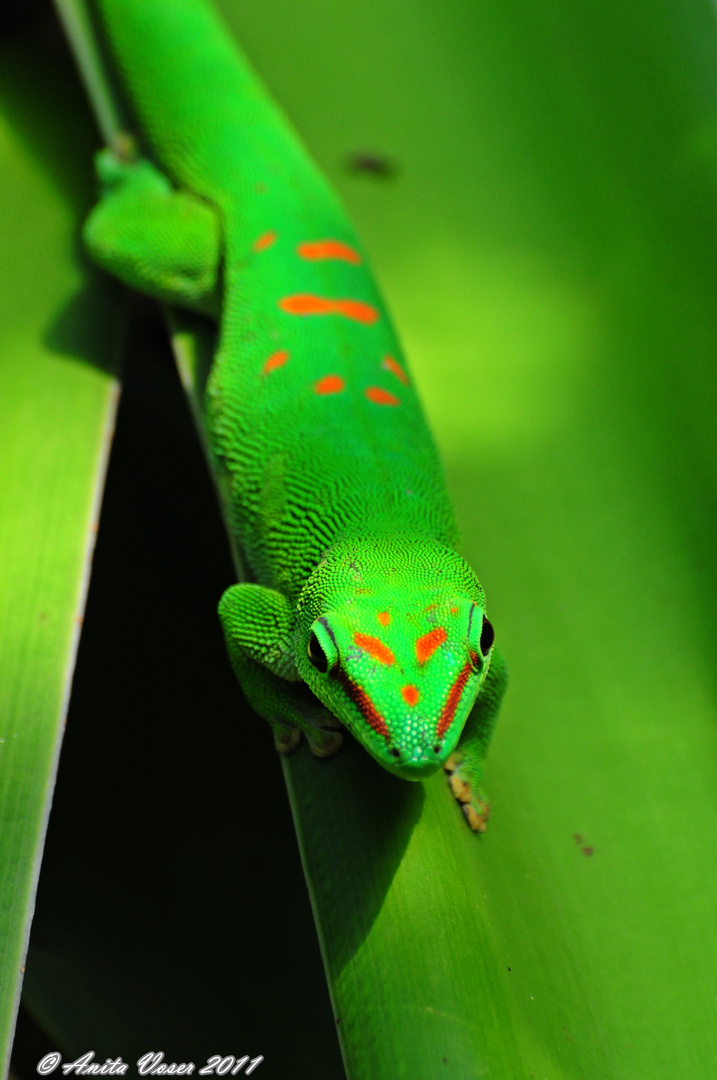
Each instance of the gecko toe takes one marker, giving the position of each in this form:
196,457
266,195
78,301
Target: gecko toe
460,788
286,739
324,744
473,803
477,814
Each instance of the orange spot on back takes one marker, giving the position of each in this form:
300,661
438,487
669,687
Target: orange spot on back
380,397
308,304
277,359
264,241
329,249
384,618
330,384
375,648
427,645
395,368
357,310
410,694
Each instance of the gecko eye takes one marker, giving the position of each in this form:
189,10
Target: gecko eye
317,656
487,637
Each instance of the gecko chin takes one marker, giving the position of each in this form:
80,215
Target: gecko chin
413,768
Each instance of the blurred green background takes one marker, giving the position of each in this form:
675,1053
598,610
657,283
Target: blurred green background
547,246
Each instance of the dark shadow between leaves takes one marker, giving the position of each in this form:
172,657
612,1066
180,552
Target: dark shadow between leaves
372,815
172,908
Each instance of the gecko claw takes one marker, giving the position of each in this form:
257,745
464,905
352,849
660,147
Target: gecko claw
477,818
324,744
475,807
286,739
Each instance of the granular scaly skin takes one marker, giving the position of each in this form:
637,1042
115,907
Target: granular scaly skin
333,486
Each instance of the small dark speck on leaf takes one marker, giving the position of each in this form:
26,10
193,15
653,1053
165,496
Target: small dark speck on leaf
578,838
338,1019
371,163
445,1061
587,851
510,969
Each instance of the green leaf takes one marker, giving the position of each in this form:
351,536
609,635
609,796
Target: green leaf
547,244
57,406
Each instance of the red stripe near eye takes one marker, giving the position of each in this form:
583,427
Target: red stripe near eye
456,692
375,648
308,304
363,703
329,249
427,645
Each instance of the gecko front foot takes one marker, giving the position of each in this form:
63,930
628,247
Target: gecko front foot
319,727
474,804
286,738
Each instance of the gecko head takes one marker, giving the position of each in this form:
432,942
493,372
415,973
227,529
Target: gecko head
392,638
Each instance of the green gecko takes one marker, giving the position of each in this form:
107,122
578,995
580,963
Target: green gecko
359,611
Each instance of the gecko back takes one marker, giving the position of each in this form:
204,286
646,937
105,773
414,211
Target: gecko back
333,487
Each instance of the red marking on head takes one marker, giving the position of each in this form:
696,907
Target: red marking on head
410,694
361,699
427,645
329,249
375,648
380,397
395,368
308,304
264,241
384,618
330,384
454,696
454,611
277,359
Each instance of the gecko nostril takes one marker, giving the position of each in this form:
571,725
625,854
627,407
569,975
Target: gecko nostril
396,753
436,749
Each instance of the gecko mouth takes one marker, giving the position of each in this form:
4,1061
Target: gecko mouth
418,761
416,768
